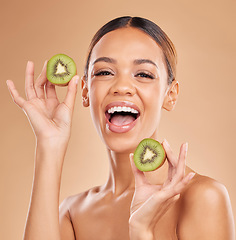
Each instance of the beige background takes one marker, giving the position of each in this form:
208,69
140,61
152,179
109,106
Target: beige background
204,34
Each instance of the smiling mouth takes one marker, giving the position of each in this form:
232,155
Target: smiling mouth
121,117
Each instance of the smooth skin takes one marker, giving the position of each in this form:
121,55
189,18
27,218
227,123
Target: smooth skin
164,204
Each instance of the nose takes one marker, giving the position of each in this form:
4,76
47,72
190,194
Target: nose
123,86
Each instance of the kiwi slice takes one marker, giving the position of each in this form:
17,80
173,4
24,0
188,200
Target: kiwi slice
60,69
149,155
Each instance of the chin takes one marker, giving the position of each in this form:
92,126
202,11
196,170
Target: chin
124,142
121,147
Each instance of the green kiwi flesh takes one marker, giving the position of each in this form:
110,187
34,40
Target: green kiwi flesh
149,155
60,69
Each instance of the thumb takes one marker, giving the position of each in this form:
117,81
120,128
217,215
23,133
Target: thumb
139,176
71,92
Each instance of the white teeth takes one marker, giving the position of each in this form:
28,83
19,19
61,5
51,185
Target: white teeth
122,109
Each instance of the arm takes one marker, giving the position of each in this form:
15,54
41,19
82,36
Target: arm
51,123
206,213
43,216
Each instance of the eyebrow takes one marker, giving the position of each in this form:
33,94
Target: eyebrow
105,59
136,61
141,61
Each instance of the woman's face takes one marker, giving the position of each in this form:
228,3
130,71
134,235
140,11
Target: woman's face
126,86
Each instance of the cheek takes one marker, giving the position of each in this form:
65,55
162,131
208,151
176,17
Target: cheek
153,98
97,93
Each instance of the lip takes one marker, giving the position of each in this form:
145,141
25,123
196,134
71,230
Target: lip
124,128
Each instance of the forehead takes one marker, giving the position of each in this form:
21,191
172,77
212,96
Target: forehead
128,44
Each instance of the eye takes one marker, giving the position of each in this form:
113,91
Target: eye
145,75
103,73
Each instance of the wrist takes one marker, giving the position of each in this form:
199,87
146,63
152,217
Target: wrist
52,144
50,154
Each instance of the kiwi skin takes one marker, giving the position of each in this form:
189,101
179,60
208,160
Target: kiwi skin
152,145
66,62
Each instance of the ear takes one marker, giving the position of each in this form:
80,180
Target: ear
171,96
84,87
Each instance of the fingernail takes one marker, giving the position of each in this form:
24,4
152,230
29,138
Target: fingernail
192,174
176,197
186,146
7,85
76,80
166,143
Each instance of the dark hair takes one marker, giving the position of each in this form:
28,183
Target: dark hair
146,26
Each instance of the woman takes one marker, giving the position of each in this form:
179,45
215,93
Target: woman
130,67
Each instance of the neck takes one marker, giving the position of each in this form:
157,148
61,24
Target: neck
121,178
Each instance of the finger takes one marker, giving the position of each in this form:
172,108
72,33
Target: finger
156,206
139,176
180,172
177,188
50,90
180,186
170,155
40,82
188,177
172,160
71,92
29,81
164,207
17,99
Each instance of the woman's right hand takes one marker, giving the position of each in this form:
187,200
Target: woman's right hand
50,119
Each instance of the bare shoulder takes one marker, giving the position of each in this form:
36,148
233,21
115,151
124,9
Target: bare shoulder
76,201
205,211
205,190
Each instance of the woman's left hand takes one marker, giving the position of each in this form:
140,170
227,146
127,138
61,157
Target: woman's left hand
150,202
